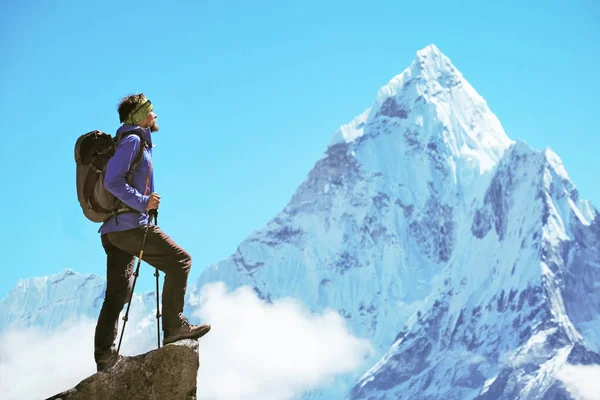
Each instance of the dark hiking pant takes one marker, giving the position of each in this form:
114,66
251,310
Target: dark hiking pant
161,252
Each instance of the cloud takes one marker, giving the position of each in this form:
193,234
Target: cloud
258,350
255,350
35,364
581,380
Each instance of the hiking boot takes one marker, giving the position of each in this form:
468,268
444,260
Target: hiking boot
185,331
107,361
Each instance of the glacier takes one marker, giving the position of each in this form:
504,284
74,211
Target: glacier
466,258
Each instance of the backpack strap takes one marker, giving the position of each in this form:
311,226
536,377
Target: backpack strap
140,154
122,207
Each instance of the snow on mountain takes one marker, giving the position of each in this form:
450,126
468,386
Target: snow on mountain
418,209
46,303
433,92
375,218
429,231
516,302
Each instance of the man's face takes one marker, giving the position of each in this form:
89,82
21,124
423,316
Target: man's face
150,122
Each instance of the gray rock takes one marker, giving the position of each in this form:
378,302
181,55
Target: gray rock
166,373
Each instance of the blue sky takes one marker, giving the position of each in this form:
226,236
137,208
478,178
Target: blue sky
248,95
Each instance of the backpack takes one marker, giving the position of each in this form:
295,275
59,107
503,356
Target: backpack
92,152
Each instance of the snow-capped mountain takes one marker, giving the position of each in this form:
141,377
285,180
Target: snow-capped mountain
517,300
467,259
46,303
376,217
423,207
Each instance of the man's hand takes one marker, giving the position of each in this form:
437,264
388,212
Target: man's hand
153,202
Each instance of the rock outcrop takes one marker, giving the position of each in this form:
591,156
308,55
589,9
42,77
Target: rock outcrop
166,373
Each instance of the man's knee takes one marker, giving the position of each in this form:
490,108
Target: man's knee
185,262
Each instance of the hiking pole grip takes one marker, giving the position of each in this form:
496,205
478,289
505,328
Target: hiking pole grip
153,213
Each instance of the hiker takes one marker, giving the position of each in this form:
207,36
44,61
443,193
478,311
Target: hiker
122,235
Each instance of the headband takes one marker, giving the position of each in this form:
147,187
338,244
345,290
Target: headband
139,113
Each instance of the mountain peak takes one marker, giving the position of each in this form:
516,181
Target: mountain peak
429,50
432,63
429,68
556,163
431,111
41,282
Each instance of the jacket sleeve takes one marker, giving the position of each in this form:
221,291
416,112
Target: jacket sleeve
116,170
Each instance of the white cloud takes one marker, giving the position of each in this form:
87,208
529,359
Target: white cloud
36,364
257,350
582,381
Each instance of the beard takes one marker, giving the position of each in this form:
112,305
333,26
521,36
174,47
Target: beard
154,127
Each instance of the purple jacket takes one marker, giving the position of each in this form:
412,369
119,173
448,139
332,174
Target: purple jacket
114,180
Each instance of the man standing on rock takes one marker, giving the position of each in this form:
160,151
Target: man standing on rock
122,236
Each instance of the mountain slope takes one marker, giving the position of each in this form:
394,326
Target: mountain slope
376,217
49,302
513,304
417,206
46,302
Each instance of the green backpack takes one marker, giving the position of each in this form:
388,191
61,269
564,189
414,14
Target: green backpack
92,152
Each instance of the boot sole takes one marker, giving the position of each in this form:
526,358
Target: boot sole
177,338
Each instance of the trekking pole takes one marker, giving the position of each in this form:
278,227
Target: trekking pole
136,274
155,214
